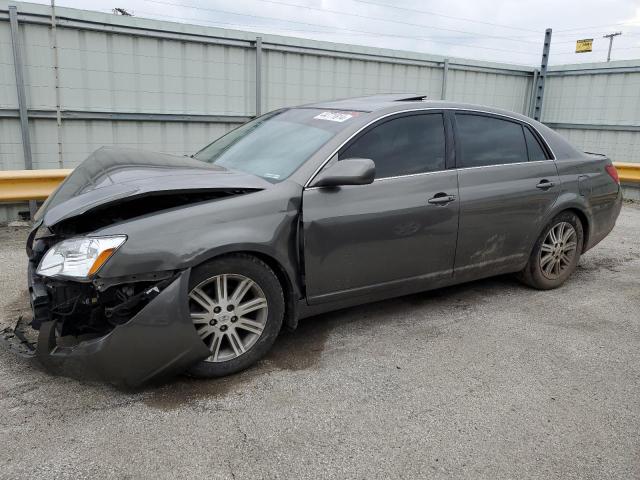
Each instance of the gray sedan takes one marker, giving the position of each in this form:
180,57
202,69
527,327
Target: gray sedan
143,265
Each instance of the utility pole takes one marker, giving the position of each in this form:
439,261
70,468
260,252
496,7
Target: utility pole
610,37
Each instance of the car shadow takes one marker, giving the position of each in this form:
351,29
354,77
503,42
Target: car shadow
303,348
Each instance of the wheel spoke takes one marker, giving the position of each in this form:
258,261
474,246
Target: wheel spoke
221,288
204,300
568,234
250,325
251,306
569,246
565,258
548,268
214,346
200,317
241,290
236,343
546,259
203,332
552,235
545,247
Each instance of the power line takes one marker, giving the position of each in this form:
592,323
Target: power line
593,26
347,32
340,30
426,12
582,31
419,25
236,25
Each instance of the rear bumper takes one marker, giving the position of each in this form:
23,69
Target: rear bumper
158,341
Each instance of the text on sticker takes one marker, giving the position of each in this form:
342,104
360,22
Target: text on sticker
333,116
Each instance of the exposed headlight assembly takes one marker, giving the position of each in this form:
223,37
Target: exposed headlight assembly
79,257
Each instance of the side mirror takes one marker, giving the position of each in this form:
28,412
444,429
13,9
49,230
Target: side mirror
350,171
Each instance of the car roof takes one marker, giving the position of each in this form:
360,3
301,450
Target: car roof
378,106
397,102
369,103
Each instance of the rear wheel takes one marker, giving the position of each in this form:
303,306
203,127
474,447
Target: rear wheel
556,253
236,306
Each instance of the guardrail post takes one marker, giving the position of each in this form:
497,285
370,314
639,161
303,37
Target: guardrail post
445,72
22,100
258,76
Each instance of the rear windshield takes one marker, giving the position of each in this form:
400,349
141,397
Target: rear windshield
275,145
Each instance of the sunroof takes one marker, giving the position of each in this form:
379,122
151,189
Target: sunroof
411,99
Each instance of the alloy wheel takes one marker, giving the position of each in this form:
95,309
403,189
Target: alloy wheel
558,250
229,312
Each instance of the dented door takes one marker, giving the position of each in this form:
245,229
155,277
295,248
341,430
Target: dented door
502,208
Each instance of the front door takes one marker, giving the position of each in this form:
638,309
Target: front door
374,238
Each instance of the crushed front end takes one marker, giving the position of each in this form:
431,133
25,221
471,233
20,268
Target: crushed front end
125,330
128,211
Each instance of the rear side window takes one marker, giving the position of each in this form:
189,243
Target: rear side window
402,146
489,141
534,148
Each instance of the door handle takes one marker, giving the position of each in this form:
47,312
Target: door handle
545,184
441,199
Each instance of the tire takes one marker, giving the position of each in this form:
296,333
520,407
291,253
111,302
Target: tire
236,341
547,255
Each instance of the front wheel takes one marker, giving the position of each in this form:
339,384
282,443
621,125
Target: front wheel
236,306
556,253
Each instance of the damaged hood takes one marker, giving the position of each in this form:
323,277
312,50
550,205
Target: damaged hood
111,175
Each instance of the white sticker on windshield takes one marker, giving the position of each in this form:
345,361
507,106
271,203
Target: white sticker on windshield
275,176
334,116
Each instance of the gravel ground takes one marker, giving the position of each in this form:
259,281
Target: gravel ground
485,380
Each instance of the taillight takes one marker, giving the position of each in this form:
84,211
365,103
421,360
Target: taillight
613,173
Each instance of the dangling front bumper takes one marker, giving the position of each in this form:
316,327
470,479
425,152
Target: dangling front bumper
158,341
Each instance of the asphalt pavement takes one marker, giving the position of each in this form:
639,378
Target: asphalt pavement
490,379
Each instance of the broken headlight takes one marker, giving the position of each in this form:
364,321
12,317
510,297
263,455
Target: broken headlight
79,257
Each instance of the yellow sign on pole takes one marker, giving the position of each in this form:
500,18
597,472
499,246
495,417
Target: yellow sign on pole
584,46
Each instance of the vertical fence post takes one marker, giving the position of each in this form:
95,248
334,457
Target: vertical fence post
56,72
537,111
22,100
258,76
532,94
445,73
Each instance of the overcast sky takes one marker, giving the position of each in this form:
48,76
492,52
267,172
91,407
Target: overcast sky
500,30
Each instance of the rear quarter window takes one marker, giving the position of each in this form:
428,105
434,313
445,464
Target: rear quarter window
535,150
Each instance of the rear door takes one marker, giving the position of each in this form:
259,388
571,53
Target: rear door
400,229
508,182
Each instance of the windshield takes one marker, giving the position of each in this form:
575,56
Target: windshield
275,145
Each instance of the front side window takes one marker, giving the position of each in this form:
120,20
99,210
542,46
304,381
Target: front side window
487,141
275,145
402,146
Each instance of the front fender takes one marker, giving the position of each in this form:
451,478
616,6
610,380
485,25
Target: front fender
264,222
